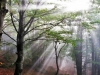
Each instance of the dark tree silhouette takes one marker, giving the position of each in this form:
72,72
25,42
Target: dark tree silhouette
3,12
78,53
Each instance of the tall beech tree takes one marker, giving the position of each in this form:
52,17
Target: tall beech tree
20,40
28,21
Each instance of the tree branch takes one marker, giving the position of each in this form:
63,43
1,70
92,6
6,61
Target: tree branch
31,19
29,23
13,22
34,39
52,25
61,49
9,36
48,39
15,18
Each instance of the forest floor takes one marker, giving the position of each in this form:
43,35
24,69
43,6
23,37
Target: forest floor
7,68
6,71
10,71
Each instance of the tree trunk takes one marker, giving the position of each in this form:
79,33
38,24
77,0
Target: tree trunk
86,55
56,54
19,61
1,24
78,54
98,66
79,63
57,66
3,12
93,59
20,42
98,52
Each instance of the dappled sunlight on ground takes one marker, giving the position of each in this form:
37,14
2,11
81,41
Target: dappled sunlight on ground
66,66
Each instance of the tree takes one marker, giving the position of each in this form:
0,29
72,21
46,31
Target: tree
93,14
20,40
78,54
57,53
23,27
64,36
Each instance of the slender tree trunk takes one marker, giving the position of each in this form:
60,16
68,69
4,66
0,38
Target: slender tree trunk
56,58
1,24
57,66
78,54
79,63
98,65
99,52
19,61
93,59
20,42
85,63
3,12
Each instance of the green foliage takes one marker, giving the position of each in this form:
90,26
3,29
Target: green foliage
57,34
73,53
96,2
87,25
73,15
64,36
37,12
97,21
46,15
53,17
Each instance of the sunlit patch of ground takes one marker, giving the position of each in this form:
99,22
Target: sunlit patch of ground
48,69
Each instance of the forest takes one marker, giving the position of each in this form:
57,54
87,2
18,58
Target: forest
45,37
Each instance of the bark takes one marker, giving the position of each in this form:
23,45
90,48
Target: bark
98,52
57,66
79,63
20,42
93,59
85,63
98,66
1,24
3,12
19,61
78,54
56,58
